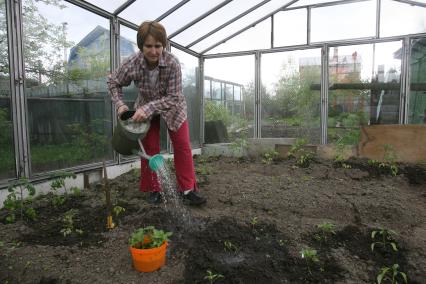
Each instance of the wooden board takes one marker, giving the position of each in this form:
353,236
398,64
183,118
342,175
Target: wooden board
407,141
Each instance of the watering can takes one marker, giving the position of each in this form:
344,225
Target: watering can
127,137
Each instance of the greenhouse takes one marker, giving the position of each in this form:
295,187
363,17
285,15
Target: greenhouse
307,124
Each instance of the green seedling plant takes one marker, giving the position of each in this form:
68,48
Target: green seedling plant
269,157
15,200
392,274
229,246
118,210
303,157
148,237
253,222
239,145
212,277
68,223
58,183
384,238
326,230
310,256
339,158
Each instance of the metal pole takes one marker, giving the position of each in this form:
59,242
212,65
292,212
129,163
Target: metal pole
324,93
405,81
201,93
257,96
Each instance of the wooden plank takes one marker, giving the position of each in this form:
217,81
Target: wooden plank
407,142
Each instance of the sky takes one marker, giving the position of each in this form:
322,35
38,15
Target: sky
329,23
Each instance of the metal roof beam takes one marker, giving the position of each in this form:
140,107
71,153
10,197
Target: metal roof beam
171,10
123,7
227,23
249,26
415,3
214,9
92,8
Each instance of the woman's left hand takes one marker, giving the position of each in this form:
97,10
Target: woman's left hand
139,115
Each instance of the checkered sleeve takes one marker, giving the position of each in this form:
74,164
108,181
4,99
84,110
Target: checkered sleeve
118,79
173,97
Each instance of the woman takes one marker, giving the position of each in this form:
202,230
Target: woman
158,76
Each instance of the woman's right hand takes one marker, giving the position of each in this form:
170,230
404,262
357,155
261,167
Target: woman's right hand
122,109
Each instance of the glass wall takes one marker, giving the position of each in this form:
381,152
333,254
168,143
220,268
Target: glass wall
69,109
189,65
417,96
229,109
7,155
364,89
290,103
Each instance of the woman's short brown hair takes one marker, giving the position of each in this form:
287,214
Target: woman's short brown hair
154,29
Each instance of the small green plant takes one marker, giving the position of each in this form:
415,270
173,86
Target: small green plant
303,157
310,256
392,274
229,246
15,200
384,238
212,277
326,230
339,158
239,145
269,156
68,223
58,181
118,210
253,221
148,237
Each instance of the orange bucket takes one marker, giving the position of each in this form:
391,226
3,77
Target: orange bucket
148,260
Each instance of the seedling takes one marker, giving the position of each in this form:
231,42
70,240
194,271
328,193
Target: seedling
253,222
148,237
310,256
230,246
303,157
269,157
326,229
57,183
212,277
385,239
392,274
68,223
117,210
15,200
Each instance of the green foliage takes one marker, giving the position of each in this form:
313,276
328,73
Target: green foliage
392,274
384,238
68,226
229,246
118,210
212,277
15,200
213,111
6,133
269,156
326,230
91,144
239,144
310,256
148,237
58,181
303,157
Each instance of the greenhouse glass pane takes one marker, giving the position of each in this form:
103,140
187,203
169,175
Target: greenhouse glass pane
258,37
309,2
394,13
290,28
364,89
69,109
144,10
227,121
7,151
110,5
207,89
214,20
290,107
335,23
189,65
239,24
190,11
417,96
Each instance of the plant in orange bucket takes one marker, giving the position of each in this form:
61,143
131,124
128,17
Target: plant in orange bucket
148,248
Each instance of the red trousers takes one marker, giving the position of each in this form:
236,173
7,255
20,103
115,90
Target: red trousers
184,165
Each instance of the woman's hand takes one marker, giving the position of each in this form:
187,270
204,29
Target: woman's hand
139,115
122,109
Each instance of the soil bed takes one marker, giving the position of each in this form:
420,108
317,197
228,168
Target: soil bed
258,219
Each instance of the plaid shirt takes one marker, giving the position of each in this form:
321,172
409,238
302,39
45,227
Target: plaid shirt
166,98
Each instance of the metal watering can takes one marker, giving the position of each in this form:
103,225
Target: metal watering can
127,137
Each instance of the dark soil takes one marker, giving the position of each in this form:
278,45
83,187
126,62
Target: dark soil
257,221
